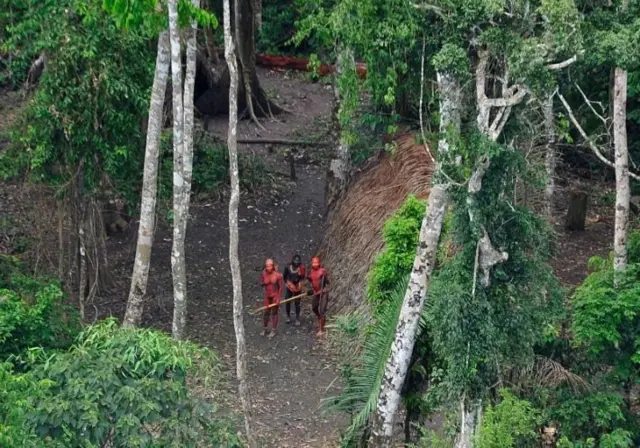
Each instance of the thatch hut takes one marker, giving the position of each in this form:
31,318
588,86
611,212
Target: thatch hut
353,237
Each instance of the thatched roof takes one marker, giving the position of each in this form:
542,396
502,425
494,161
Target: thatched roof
354,234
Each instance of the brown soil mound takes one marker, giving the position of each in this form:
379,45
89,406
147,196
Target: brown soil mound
354,235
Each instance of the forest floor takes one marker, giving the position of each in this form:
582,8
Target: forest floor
290,374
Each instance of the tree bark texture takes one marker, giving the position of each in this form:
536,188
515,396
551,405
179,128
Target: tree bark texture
449,107
234,201
470,421
251,96
409,319
550,156
338,173
623,191
178,267
416,295
146,230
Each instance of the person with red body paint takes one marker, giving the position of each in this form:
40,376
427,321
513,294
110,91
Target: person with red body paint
271,281
319,281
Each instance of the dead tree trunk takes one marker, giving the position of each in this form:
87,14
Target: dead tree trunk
577,212
140,276
234,200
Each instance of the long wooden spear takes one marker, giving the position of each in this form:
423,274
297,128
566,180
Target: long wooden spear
262,308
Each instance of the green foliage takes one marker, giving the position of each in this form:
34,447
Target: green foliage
149,17
591,415
87,108
22,36
606,319
619,438
363,375
510,423
394,263
452,58
476,333
32,313
123,386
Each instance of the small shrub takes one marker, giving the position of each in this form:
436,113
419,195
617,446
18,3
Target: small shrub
32,314
116,387
510,423
394,263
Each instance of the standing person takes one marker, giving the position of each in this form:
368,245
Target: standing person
293,276
319,281
271,281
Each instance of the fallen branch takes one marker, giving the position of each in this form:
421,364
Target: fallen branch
590,143
276,141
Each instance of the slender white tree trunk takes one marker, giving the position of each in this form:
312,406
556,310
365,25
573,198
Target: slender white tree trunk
178,267
471,419
234,201
416,295
140,276
623,192
339,166
550,156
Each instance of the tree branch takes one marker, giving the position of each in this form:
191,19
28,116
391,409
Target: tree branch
590,143
435,9
276,141
563,64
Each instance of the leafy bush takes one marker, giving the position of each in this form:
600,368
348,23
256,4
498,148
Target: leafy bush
394,263
32,313
125,387
510,423
86,110
605,316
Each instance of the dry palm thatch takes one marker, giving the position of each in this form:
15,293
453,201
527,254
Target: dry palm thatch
354,234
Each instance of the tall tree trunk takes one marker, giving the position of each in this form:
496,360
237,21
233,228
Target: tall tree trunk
471,419
178,267
338,173
258,14
210,39
417,289
550,156
245,31
623,192
234,201
140,276
251,96
182,172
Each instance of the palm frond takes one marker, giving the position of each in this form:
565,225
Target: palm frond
545,372
360,394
